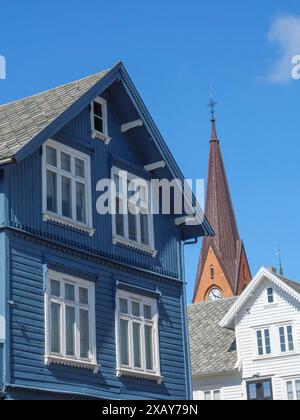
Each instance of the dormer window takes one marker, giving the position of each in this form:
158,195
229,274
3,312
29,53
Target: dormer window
99,120
270,295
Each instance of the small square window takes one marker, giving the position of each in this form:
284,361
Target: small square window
79,168
123,306
136,309
65,162
51,156
69,292
83,296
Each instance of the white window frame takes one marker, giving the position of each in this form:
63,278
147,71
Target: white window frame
130,370
293,381
123,197
262,330
212,393
62,358
268,295
58,217
95,133
285,326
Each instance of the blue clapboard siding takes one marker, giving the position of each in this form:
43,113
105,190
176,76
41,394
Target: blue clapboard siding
25,198
27,341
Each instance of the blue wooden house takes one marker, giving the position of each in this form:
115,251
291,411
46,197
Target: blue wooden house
91,306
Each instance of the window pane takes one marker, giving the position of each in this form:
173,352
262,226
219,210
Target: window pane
55,327
80,203
290,391
267,341
136,309
84,334
282,340
83,296
144,229
51,192
119,218
267,389
66,197
55,288
207,396
123,306
98,124
137,345
132,226
98,109
79,168
217,395
260,343
51,156
297,385
290,337
147,312
117,183
252,391
124,342
270,295
70,292
70,331
65,162
148,347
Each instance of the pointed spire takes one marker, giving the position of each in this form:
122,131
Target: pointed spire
281,273
212,104
227,245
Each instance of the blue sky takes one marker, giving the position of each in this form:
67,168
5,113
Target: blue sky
174,51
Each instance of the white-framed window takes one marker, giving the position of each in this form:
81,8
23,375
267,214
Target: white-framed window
212,395
70,321
67,186
99,120
270,295
263,340
133,221
293,389
286,338
137,336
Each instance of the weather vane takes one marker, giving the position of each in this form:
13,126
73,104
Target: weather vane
212,104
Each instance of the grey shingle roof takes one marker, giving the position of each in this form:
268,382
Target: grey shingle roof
21,120
213,349
294,285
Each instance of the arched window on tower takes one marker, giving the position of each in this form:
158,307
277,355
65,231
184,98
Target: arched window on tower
212,272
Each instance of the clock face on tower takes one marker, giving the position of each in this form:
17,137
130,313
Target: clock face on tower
215,294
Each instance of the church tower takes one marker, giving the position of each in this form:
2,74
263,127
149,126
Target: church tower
223,269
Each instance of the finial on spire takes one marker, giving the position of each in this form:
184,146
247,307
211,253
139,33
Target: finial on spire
280,262
212,104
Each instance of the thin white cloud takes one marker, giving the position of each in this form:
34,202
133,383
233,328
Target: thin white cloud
285,34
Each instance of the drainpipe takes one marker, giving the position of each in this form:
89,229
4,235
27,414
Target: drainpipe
189,385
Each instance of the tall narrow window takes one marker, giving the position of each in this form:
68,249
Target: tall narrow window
137,335
99,119
293,389
67,186
70,314
133,221
212,272
263,342
286,339
270,294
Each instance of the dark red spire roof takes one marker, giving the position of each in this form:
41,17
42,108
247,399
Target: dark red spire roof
219,211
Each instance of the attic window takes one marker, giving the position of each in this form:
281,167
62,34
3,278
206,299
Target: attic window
99,120
270,294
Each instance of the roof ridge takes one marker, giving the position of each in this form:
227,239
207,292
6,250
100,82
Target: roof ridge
208,302
56,87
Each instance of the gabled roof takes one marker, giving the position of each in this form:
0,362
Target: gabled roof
213,349
22,120
226,243
290,287
27,123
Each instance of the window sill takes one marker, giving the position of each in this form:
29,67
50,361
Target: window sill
276,356
117,240
59,360
51,217
140,375
100,136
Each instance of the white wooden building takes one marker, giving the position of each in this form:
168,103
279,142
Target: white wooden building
248,348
